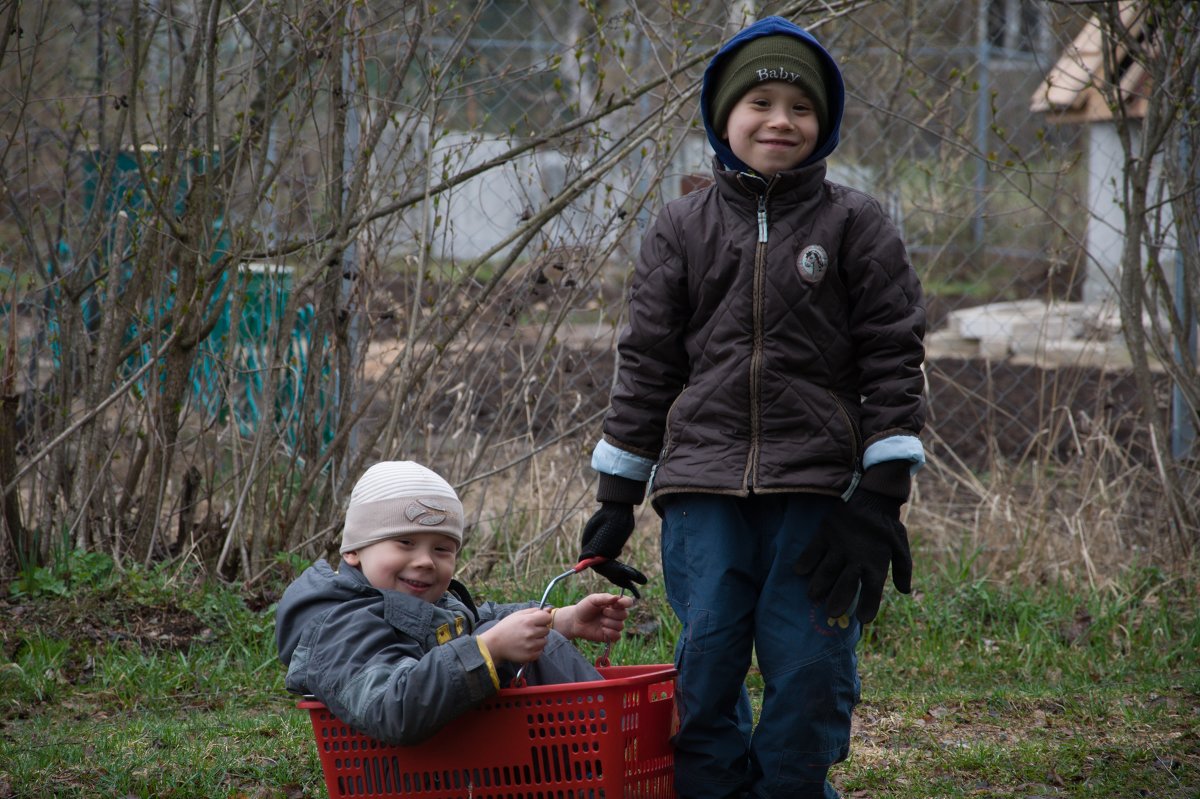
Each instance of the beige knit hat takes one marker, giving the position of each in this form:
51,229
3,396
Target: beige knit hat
393,498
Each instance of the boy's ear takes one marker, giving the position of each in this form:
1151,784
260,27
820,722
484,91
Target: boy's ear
351,557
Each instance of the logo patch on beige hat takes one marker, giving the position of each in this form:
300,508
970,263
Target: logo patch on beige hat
426,513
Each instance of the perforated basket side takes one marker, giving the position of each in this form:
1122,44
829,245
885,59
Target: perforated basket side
647,723
595,740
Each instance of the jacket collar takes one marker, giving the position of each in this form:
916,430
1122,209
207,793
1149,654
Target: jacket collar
791,187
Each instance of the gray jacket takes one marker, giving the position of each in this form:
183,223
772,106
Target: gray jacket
388,664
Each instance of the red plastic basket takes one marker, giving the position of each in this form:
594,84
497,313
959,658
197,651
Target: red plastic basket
589,740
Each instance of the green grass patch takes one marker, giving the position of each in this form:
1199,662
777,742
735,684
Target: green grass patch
190,750
150,684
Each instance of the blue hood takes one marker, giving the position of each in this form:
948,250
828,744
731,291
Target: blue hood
769,26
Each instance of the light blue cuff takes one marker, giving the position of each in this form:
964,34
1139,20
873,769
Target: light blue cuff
894,448
608,459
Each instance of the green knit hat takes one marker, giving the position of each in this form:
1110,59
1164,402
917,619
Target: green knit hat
775,57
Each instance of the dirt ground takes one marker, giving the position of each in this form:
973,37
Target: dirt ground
979,407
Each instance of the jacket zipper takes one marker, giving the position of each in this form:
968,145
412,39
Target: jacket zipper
756,356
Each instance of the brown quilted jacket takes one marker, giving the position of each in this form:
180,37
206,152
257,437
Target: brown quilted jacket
768,365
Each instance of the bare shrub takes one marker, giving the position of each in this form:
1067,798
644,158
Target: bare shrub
247,250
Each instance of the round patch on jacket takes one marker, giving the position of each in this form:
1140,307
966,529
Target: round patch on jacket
812,263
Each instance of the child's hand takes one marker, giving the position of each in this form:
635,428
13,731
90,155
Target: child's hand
596,617
519,637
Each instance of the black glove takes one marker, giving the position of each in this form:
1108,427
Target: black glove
605,535
851,552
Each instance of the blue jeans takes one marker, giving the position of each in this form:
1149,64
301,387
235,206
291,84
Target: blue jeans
728,564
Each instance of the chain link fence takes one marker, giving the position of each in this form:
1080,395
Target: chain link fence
247,251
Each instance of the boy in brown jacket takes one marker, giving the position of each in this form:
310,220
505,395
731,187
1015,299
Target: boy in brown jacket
769,393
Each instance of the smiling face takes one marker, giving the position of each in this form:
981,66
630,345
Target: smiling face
419,564
773,127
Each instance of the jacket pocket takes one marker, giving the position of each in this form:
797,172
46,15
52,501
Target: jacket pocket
669,438
852,428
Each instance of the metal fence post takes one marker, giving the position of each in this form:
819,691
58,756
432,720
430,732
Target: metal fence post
983,55
1183,416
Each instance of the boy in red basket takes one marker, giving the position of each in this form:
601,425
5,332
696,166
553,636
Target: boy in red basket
392,644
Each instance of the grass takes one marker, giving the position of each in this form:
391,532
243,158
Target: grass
146,684
1031,691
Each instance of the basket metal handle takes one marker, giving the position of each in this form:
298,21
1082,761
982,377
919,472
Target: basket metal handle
519,680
